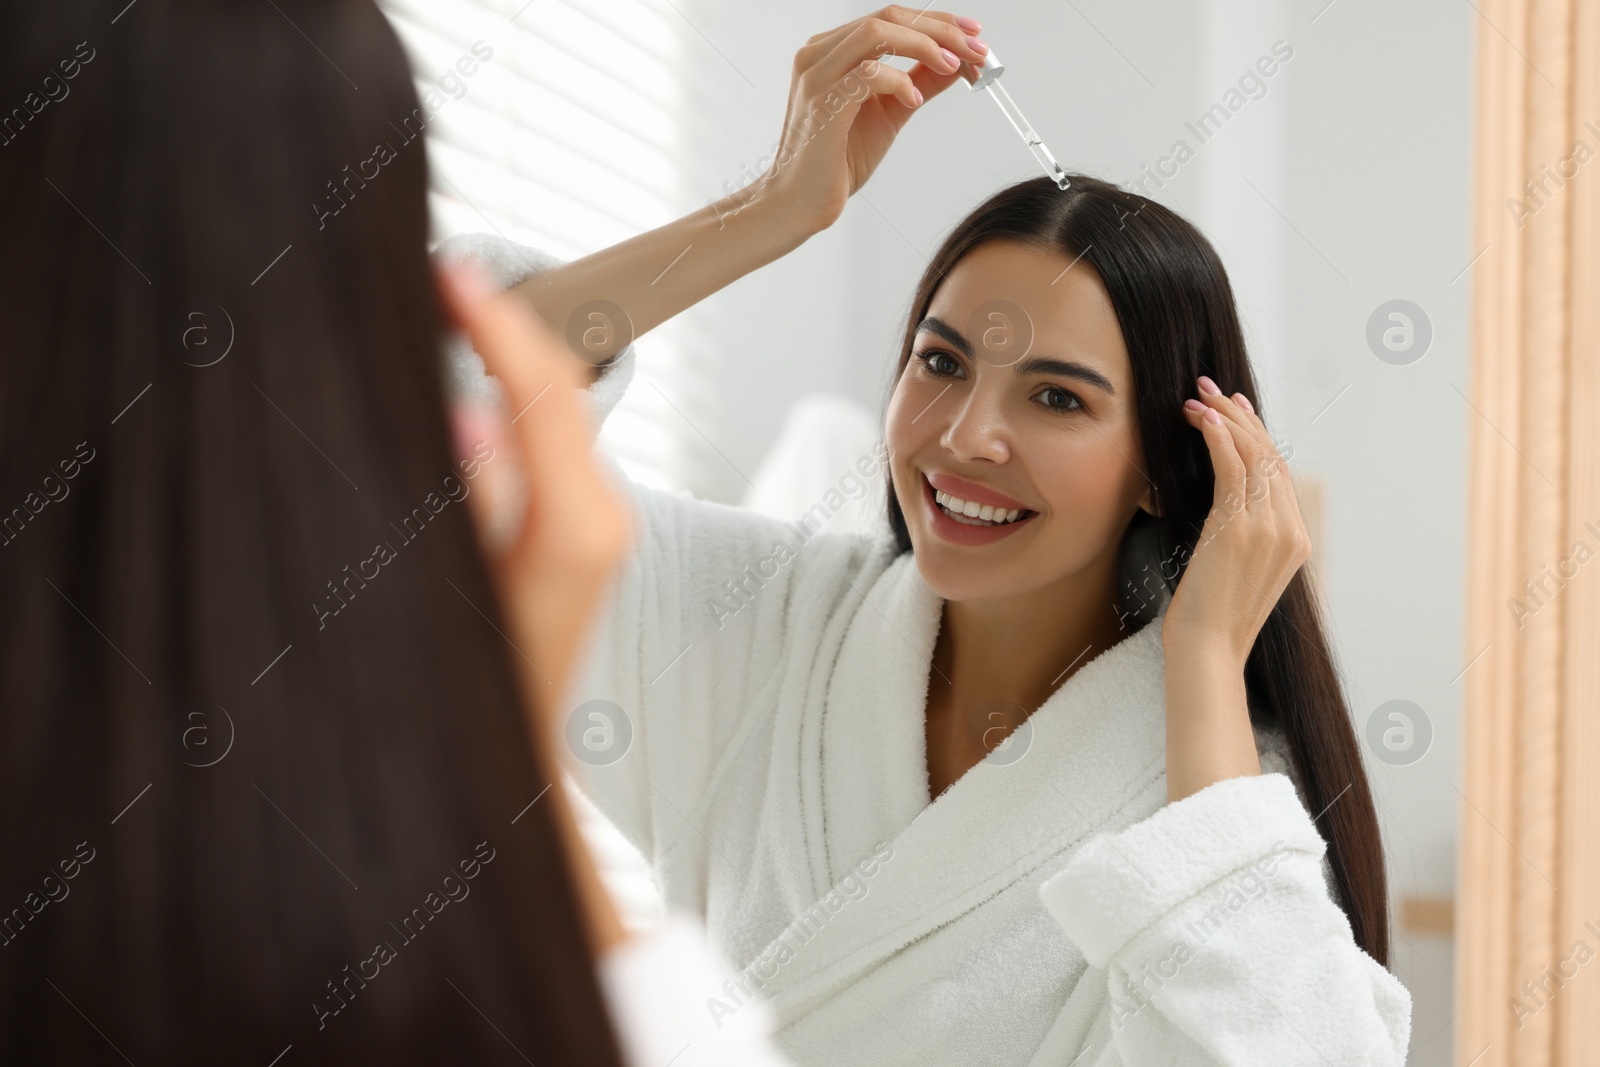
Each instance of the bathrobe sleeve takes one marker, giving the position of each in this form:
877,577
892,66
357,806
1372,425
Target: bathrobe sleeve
654,985
713,604
1214,924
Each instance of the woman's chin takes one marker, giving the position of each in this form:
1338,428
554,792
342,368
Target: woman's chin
950,578
937,578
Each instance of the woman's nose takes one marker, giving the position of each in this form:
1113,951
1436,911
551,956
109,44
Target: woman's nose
977,430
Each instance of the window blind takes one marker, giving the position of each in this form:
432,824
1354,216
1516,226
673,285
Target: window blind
565,135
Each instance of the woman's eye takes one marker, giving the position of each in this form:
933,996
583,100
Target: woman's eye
939,363
1058,399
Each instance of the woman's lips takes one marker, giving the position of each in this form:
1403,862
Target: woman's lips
959,533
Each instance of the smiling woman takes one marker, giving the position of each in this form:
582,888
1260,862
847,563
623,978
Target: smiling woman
1075,413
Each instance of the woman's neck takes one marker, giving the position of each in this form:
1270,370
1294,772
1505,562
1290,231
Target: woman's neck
1022,648
997,660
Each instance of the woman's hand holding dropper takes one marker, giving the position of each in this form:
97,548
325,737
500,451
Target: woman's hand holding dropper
845,108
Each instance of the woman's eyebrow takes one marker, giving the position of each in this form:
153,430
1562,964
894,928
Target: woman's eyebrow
948,332
1032,365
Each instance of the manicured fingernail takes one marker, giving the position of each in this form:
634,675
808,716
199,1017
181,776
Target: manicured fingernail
1207,385
917,94
1212,416
469,280
971,25
977,46
1194,405
1244,402
950,58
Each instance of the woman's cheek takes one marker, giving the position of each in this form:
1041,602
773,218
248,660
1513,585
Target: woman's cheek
899,428
1089,492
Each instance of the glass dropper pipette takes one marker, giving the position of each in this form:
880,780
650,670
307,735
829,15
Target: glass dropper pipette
989,79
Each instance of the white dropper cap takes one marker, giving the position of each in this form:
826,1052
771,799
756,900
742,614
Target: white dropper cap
992,68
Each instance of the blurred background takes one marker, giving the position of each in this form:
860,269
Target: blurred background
1333,188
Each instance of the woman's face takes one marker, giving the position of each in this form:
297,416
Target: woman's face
1018,394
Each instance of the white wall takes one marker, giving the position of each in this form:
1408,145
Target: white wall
1379,167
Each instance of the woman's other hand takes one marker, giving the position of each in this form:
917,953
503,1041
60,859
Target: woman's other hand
1254,539
845,106
553,559
1252,544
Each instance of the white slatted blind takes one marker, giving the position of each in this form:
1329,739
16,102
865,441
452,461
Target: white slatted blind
566,138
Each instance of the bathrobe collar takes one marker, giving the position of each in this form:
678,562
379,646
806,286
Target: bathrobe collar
1097,742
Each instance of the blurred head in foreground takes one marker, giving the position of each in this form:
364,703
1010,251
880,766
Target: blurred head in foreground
263,760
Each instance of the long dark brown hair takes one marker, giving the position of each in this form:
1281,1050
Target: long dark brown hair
1176,311
265,773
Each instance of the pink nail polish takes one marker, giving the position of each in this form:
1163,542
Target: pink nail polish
971,25
1208,386
950,58
1212,416
1244,402
977,46
1194,405
470,280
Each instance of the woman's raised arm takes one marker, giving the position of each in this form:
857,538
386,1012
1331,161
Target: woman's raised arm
844,110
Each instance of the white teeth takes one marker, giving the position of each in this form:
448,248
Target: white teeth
985,514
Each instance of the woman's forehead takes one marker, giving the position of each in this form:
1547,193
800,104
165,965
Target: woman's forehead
1009,300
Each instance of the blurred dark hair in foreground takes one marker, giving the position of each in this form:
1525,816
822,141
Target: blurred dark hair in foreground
235,818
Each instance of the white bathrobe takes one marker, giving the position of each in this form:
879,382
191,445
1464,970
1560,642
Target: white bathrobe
1049,908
